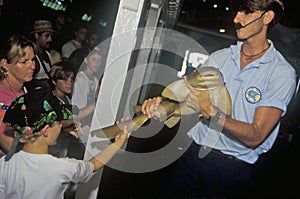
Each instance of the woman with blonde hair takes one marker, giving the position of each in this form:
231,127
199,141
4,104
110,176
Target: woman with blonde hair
17,61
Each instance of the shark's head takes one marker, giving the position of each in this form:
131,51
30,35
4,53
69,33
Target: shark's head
205,78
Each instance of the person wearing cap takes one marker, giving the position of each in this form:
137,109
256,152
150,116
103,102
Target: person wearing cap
42,36
17,64
31,172
220,161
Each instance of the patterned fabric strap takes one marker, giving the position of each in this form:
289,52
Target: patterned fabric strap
3,109
4,106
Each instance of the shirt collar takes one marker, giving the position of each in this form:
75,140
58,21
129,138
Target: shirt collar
266,58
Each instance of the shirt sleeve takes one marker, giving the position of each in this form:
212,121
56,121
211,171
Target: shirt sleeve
67,49
79,97
280,91
83,170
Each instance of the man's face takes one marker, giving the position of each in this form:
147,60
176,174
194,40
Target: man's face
60,19
81,35
93,40
93,61
44,39
252,23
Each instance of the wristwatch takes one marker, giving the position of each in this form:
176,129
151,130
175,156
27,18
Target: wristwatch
215,118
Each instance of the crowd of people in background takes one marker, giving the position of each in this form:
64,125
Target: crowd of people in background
39,60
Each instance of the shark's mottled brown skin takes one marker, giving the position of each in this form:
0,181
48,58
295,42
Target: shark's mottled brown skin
205,78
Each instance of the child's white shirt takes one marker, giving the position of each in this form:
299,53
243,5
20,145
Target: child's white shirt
28,175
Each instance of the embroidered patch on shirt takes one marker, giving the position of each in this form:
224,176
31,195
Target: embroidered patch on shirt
253,95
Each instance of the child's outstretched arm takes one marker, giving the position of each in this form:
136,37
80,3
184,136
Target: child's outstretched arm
104,156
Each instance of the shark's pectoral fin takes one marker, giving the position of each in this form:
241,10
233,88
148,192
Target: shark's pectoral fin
176,91
178,111
172,121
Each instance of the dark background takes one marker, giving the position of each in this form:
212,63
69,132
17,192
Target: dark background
17,15
278,171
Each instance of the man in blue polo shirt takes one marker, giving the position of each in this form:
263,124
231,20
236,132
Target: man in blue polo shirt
219,163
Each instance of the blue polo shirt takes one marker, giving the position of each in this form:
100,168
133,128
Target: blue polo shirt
268,81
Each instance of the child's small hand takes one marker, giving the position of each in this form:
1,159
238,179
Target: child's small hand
76,130
73,133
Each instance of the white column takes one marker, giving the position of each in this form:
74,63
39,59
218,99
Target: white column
122,43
